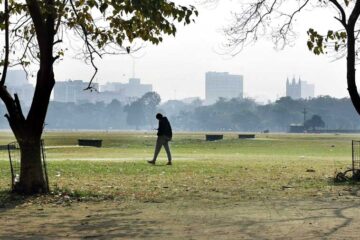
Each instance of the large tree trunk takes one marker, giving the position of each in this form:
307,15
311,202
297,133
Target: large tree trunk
32,173
32,179
28,132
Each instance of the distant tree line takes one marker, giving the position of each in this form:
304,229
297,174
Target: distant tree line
247,115
224,115
138,114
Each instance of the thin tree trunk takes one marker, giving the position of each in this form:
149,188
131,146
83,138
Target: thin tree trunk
351,71
351,55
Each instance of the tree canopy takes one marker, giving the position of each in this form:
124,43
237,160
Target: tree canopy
314,122
104,26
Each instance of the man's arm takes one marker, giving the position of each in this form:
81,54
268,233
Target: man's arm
161,128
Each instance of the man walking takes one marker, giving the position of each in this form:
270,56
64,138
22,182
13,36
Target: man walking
164,136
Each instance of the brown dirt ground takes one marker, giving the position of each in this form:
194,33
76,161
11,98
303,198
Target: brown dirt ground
336,218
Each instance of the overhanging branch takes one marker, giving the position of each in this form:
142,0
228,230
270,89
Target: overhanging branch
91,50
342,20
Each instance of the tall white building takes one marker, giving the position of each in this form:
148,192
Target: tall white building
299,89
222,85
16,82
307,90
73,91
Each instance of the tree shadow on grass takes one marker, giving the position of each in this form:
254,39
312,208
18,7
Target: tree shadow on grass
9,200
322,220
349,185
124,227
102,223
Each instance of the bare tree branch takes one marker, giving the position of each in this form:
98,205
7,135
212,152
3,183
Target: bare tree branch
258,18
286,28
91,50
342,20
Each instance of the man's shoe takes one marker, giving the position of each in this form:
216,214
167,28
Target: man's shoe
151,162
169,163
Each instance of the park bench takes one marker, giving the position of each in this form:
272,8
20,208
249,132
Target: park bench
90,142
246,136
7,147
214,137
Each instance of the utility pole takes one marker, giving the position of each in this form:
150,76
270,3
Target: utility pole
304,112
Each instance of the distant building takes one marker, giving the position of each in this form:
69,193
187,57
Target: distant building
307,90
293,89
300,89
222,85
73,91
16,82
296,128
129,91
108,96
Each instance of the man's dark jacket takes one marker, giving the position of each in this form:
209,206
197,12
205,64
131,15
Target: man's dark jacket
164,128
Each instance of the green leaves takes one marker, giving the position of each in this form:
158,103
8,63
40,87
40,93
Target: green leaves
318,43
127,20
315,42
104,26
99,23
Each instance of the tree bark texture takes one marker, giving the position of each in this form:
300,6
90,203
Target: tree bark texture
28,131
351,56
32,179
351,73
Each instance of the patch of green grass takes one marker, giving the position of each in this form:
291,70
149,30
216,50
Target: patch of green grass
270,166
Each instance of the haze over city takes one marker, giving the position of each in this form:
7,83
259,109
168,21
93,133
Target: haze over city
185,139
176,68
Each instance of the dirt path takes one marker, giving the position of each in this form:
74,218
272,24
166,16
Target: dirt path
315,219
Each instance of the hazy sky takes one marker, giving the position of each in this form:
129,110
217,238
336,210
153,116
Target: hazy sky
177,67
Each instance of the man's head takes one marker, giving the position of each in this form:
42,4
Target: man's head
159,116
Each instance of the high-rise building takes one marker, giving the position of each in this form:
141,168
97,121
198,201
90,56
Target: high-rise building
299,89
222,85
73,91
307,90
17,82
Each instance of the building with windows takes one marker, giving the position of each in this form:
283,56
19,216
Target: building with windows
73,91
222,85
17,82
299,89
